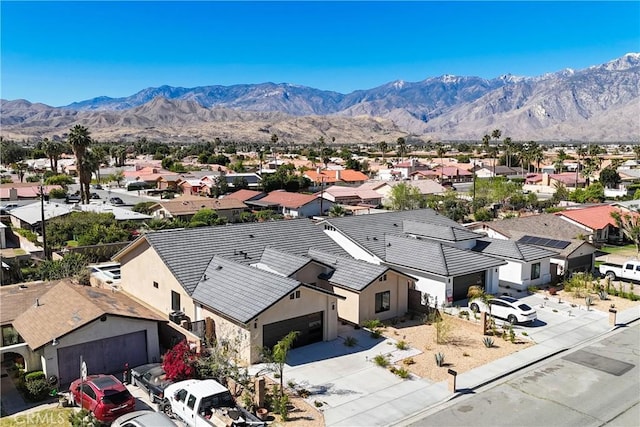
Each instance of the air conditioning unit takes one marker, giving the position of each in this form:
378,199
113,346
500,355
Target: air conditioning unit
176,316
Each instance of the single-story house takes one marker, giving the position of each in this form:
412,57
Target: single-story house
295,205
24,190
422,244
165,268
185,207
352,196
548,183
500,170
30,216
596,221
384,188
575,252
246,195
337,176
106,329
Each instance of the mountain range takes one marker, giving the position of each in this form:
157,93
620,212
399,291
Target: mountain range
597,104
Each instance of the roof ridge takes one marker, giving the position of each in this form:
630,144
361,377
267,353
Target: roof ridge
446,267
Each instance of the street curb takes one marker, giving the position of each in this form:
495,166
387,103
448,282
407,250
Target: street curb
514,370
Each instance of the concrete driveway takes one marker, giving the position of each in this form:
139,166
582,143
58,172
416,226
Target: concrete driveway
351,390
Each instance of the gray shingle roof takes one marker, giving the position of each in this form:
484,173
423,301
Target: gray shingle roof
187,252
368,231
282,262
240,291
348,272
512,250
548,225
440,232
434,257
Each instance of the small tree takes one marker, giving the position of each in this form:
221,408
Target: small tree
277,357
629,224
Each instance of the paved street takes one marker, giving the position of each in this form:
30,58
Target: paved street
593,385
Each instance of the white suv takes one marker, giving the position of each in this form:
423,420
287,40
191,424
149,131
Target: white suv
506,308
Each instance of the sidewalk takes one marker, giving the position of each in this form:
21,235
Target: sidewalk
579,330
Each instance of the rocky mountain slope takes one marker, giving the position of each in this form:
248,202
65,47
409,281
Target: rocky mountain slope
600,103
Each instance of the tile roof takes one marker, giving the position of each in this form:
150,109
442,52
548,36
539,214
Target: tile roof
67,307
25,190
452,171
368,231
187,206
595,218
447,232
512,250
434,257
426,186
244,195
16,299
327,178
186,252
240,291
349,272
288,200
281,262
340,191
350,175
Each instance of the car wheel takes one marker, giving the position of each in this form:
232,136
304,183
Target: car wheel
166,408
474,307
512,319
610,275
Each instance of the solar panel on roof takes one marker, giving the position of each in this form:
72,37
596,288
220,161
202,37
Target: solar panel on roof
543,241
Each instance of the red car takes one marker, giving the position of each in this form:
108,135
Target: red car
104,395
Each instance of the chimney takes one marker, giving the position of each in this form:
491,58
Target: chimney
318,171
13,194
338,174
545,179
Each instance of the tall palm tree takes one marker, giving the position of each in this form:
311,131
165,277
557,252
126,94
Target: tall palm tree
90,164
401,148
441,151
382,145
495,134
80,139
508,148
53,150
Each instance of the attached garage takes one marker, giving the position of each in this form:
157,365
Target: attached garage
105,356
310,327
461,284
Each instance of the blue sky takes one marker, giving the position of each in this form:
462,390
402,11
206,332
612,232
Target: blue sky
60,52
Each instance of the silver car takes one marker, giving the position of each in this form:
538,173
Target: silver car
144,419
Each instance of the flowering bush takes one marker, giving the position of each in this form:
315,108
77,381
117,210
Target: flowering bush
179,362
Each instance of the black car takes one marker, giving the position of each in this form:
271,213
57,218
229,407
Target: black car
95,196
116,201
72,198
152,379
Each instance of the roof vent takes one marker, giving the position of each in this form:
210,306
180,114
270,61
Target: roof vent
388,244
395,225
37,302
22,287
218,267
375,238
204,277
251,236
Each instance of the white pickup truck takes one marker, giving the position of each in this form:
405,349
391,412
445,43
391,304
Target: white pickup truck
200,403
630,270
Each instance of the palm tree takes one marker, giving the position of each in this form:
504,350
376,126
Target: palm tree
53,150
382,145
90,164
581,152
508,145
636,151
80,139
401,148
441,151
496,134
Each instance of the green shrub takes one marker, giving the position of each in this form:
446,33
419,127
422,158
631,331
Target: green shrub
381,360
83,418
350,341
58,193
34,375
401,372
402,345
488,342
409,361
37,389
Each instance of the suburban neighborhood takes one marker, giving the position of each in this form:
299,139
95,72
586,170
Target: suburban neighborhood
361,277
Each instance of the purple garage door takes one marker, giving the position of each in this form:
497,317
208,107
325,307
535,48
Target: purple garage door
105,356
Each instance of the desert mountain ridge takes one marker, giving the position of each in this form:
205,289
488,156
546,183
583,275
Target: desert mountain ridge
598,104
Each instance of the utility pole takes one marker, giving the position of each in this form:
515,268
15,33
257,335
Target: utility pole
42,222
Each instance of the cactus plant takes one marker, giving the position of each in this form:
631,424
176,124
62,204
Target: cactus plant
603,295
439,359
588,301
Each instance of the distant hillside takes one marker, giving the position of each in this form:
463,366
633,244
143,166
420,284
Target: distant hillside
600,103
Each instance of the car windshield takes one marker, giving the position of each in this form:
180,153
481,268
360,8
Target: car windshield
116,397
220,400
524,307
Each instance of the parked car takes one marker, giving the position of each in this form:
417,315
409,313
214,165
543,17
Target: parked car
152,379
630,270
73,198
116,201
504,307
98,187
95,196
143,419
103,395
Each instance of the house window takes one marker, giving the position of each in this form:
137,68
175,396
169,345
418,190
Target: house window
383,301
292,295
382,278
155,285
175,301
297,294
535,271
